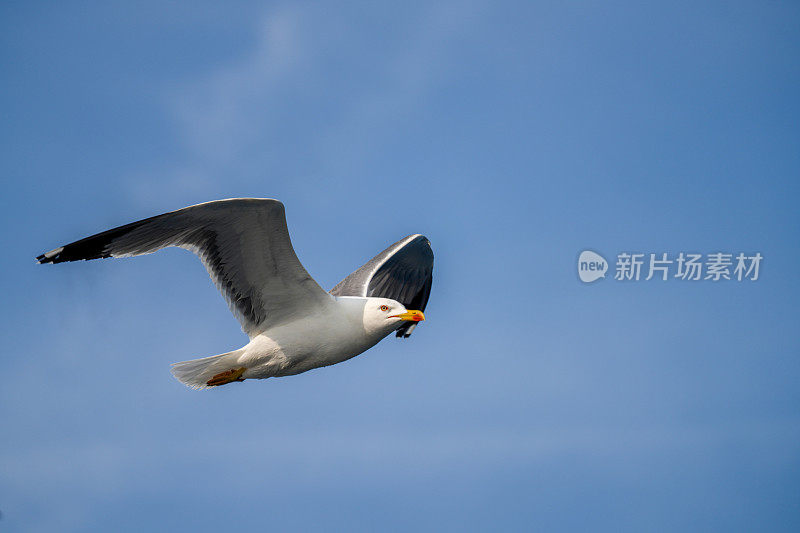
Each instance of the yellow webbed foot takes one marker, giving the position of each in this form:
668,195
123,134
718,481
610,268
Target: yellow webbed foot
229,376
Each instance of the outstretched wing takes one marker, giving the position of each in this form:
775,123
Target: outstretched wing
402,272
243,243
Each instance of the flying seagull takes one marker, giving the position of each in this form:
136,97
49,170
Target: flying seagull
293,324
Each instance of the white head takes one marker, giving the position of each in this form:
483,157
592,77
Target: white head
384,315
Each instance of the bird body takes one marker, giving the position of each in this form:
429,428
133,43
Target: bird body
293,324
329,335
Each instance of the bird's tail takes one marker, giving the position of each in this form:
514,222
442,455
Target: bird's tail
209,371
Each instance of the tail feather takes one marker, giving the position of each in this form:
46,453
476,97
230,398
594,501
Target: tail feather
196,373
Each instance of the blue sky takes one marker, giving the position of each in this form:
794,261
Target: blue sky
513,135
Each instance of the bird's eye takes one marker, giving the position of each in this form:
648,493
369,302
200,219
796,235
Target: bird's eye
384,308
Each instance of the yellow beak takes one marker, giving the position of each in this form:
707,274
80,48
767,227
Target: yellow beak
413,316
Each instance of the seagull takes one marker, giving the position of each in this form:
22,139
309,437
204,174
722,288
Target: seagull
294,325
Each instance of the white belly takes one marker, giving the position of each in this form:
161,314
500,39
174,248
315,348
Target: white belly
312,342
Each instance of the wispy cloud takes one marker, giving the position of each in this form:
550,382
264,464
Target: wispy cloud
232,119
220,112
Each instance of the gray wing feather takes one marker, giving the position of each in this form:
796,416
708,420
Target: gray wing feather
244,244
402,272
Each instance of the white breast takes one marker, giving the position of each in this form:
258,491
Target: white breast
331,336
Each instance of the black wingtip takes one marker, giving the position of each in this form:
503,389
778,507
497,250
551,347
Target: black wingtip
52,256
